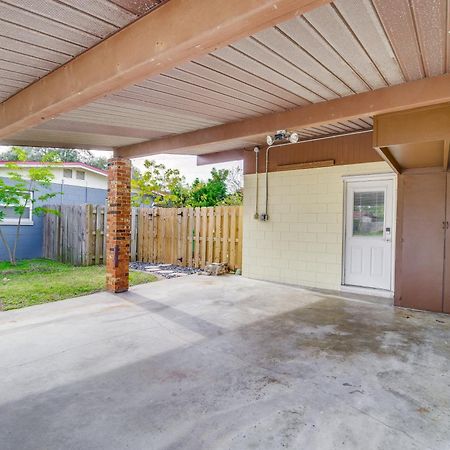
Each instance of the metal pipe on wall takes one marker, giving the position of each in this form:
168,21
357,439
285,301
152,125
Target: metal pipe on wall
265,216
256,150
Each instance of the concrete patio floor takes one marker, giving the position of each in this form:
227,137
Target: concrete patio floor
219,363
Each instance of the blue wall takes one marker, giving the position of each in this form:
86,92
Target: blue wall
31,236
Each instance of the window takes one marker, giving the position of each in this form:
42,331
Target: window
368,214
12,218
80,175
67,173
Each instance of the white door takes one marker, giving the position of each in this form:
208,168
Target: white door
368,233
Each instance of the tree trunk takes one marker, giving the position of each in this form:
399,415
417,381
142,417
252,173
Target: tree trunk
8,248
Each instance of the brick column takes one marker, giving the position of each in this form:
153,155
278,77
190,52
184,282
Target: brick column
118,224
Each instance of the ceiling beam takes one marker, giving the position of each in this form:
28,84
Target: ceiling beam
425,124
446,154
401,97
220,157
389,158
178,31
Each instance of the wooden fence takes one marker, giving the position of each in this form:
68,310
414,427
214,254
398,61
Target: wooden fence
190,237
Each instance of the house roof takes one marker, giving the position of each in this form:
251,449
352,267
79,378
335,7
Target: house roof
70,165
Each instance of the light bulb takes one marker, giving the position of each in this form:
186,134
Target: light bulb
294,137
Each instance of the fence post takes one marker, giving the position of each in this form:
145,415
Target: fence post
88,235
133,234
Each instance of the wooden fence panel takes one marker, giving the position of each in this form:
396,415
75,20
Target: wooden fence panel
190,237
133,245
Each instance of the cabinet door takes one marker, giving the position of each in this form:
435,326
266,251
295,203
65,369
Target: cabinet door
446,305
422,204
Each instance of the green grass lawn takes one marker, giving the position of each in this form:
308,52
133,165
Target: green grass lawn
36,281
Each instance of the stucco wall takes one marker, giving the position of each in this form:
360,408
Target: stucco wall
30,242
302,242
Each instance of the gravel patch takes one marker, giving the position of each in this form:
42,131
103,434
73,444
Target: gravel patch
164,270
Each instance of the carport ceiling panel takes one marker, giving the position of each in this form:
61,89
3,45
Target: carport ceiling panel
146,118
152,112
155,111
332,52
347,47
361,19
138,7
418,33
431,22
244,81
155,94
169,85
110,129
37,36
219,85
62,139
281,45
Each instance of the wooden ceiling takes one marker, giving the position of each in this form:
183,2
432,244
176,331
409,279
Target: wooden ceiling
38,36
334,51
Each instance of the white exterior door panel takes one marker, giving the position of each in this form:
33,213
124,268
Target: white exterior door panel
368,233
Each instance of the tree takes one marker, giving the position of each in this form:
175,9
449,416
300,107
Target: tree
234,180
24,188
235,188
212,192
158,186
58,155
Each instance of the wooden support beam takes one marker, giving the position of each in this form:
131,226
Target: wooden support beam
178,31
427,124
430,91
388,157
446,154
306,165
220,157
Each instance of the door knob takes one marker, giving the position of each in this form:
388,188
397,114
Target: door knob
388,233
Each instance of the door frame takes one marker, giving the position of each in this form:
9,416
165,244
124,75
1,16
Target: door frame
390,176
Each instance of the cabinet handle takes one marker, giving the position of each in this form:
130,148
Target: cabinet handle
445,225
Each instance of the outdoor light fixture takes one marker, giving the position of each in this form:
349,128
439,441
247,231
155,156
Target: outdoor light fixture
282,136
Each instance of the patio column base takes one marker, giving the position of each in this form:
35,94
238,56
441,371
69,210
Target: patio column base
118,225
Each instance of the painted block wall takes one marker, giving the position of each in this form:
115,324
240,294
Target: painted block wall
31,236
301,243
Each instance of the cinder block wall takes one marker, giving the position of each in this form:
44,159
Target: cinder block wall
302,242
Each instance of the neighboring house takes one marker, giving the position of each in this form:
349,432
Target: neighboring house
75,183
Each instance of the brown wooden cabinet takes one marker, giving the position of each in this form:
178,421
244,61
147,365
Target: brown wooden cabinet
423,242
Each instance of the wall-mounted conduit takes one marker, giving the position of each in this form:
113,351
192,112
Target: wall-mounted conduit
256,150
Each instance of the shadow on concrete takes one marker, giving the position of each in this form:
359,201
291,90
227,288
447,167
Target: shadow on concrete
234,381
189,321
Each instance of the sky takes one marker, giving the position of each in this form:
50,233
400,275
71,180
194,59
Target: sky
186,164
